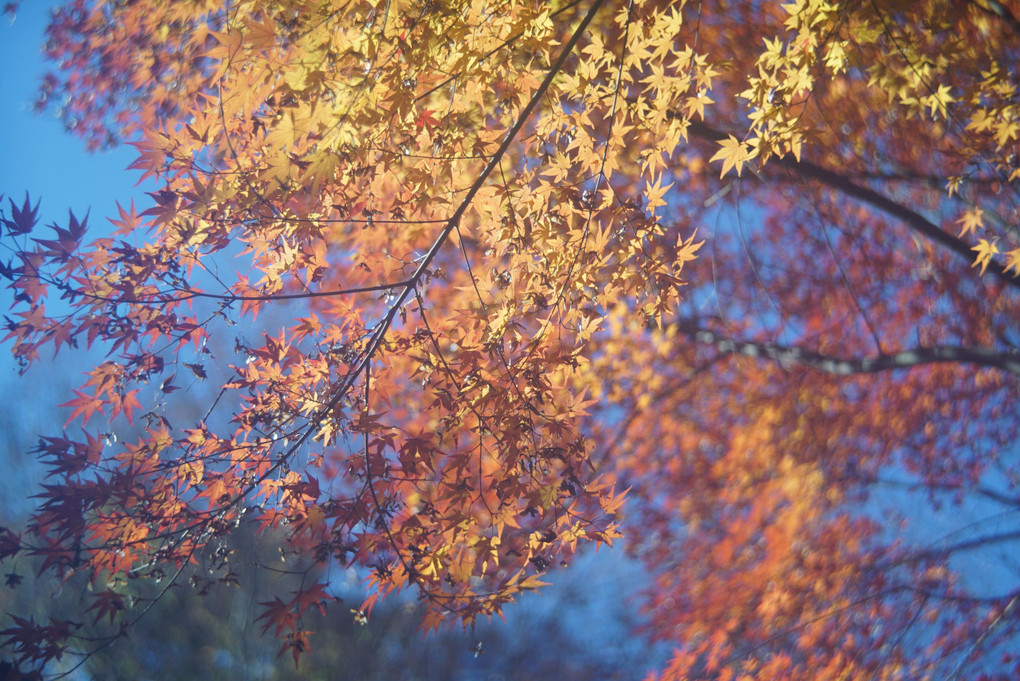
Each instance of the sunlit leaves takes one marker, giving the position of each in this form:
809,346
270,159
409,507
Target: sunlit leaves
420,288
328,150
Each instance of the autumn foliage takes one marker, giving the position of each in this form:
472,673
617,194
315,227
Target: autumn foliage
467,285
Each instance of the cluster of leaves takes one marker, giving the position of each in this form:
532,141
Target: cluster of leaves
456,331
373,165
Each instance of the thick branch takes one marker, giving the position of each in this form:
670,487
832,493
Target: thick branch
787,355
913,219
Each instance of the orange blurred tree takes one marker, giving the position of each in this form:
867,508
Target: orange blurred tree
432,256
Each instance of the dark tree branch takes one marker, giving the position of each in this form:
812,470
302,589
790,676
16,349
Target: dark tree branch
917,222
787,355
946,550
997,9
913,486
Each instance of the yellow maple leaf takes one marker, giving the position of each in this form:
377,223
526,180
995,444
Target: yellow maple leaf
1013,261
985,250
733,153
938,100
654,194
687,250
971,220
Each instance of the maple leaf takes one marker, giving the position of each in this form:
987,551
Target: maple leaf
167,385
426,119
985,250
85,405
297,643
126,403
128,220
314,595
734,154
277,614
938,100
971,220
687,250
197,369
24,218
1013,261
654,194
308,326
10,543
108,603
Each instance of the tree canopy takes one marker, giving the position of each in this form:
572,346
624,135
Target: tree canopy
447,288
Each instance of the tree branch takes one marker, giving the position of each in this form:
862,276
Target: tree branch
787,355
913,219
947,550
997,9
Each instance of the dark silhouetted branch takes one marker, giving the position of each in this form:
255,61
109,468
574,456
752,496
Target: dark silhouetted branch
917,222
788,356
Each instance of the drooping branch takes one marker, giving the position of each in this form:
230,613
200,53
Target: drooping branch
917,222
788,356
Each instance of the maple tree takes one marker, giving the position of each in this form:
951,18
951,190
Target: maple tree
433,259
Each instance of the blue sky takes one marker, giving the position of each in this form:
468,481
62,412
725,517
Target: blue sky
39,156
53,167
